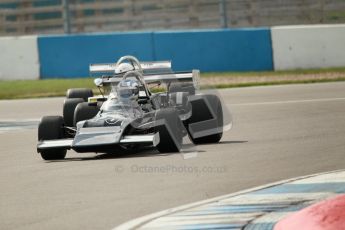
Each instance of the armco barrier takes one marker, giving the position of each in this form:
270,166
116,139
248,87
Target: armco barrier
216,50
306,47
19,58
69,56
207,50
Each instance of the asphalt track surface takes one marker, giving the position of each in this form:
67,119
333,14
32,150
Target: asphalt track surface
279,132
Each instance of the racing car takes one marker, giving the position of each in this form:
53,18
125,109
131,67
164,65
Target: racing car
140,104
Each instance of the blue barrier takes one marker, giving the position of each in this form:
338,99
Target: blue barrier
69,56
216,50
208,50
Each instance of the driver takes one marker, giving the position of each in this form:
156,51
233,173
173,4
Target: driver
128,89
128,95
121,70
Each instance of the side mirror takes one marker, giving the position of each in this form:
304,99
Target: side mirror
98,82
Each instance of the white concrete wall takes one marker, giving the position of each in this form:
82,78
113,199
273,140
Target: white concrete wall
19,58
310,46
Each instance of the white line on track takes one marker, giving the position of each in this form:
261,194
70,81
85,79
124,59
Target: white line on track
7,125
290,102
19,120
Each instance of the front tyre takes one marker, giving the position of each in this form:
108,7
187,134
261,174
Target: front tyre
198,110
51,128
169,126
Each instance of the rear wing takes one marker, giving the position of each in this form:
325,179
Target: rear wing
192,76
148,67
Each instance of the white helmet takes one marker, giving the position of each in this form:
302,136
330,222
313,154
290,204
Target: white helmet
123,68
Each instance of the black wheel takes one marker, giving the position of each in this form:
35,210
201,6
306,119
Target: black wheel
200,112
169,126
182,87
69,106
51,128
79,93
84,111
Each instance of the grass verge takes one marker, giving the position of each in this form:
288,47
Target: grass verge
276,73
41,88
238,85
58,87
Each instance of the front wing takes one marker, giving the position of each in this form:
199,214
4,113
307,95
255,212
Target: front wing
70,143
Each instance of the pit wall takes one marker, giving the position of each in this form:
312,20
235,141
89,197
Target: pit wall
308,47
247,49
19,58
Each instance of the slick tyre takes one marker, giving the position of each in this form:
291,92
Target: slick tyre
51,128
169,126
79,93
197,115
69,106
84,111
182,87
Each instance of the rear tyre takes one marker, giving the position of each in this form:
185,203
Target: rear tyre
182,87
69,106
80,93
198,111
169,126
51,128
84,111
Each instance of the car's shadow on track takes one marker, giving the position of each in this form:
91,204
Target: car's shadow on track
225,143
232,142
138,153
149,152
